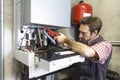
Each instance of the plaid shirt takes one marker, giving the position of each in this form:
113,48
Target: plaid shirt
103,49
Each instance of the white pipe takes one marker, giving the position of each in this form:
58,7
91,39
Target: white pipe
1,39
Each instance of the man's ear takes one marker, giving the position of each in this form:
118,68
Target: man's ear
95,32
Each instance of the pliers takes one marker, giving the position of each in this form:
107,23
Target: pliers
51,32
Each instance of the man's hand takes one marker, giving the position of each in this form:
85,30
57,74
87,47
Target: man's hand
60,38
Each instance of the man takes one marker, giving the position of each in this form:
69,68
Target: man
96,50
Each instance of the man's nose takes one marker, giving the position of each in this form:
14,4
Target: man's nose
80,35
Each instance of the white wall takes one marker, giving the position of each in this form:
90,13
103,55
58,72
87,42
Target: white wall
9,69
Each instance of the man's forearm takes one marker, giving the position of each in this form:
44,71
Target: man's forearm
80,47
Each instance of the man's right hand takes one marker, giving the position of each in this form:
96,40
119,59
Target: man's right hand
60,38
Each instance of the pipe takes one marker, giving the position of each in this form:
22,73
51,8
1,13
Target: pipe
81,2
1,39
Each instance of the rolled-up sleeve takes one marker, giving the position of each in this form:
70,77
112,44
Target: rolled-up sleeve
103,49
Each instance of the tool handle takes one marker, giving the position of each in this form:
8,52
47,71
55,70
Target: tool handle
51,32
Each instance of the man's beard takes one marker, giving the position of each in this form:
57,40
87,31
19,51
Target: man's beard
83,41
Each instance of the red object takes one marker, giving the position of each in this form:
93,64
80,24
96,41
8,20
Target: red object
79,11
51,32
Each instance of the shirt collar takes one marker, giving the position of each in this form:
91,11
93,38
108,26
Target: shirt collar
90,41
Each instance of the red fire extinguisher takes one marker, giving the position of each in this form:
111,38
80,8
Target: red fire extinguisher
79,11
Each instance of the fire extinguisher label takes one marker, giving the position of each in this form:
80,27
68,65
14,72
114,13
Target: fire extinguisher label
86,14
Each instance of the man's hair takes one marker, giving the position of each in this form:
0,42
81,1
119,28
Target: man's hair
94,23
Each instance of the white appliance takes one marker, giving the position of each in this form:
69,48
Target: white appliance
45,12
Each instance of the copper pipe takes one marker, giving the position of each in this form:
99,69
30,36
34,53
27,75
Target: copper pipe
40,40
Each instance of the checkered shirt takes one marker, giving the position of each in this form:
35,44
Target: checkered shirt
103,49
